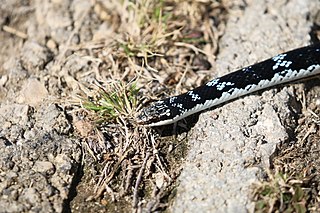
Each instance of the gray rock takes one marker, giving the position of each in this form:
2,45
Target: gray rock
231,145
29,195
33,92
34,55
36,172
45,167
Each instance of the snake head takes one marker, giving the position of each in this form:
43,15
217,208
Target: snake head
157,114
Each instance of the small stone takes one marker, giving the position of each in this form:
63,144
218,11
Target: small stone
63,163
29,135
3,185
3,80
34,56
11,175
30,195
159,180
33,92
43,167
51,44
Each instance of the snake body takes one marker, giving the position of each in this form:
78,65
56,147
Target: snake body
282,68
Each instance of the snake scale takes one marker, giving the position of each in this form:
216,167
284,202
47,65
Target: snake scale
282,68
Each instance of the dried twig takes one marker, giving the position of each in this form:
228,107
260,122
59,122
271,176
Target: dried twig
14,32
135,191
113,171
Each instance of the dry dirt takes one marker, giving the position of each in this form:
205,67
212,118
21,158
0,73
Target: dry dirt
47,55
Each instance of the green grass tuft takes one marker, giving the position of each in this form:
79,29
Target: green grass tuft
117,100
282,193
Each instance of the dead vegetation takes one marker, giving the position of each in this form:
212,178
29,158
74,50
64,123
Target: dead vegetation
294,184
144,47
165,47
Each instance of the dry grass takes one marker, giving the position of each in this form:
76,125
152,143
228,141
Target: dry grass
293,186
163,46
281,193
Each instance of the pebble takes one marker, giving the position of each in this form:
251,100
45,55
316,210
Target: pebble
33,92
43,167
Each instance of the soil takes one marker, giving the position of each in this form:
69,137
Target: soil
47,56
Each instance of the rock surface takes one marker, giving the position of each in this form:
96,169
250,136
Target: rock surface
231,145
38,161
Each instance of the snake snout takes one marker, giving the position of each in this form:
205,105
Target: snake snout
154,113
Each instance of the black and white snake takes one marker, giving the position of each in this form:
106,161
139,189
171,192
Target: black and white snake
282,68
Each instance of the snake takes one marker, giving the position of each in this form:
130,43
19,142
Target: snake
286,67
